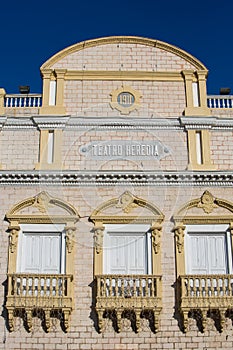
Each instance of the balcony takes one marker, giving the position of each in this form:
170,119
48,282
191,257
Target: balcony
220,101
28,293
137,294
22,101
206,294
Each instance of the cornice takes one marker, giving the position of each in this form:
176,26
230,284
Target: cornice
124,40
54,122
117,178
154,122
124,75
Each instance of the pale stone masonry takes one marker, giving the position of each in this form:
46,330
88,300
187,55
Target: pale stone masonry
123,149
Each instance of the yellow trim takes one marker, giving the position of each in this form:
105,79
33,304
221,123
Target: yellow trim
125,110
57,151
207,204
123,39
123,75
205,151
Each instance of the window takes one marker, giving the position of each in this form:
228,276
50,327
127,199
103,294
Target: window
127,249
41,249
40,260
127,259
208,249
203,238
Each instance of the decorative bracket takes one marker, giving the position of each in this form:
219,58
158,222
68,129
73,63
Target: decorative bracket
179,235
156,236
70,238
98,238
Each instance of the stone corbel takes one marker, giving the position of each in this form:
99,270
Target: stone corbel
179,236
156,237
70,238
98,238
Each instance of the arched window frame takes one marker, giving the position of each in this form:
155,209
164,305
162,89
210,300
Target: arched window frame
202,293
123,213
19,217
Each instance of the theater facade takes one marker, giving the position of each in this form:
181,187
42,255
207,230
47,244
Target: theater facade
117,202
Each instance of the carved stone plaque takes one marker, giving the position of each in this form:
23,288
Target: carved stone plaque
132,150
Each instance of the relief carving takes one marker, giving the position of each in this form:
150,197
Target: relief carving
70,239
13,239
126,202
156,235
207,202
42,202
98,238
179,235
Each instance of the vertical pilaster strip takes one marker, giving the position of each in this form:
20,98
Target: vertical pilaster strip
46,74
201,76
188,80
60,74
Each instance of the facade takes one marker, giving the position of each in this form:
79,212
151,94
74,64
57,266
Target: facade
116,203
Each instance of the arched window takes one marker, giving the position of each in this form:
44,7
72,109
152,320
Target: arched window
127,258
40,259
203,237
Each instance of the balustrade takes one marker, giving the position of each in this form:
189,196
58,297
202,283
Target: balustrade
19,100
119,293
30,292
220,101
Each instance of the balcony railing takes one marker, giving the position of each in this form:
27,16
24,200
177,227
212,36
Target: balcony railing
220,101
19,100
137,293
204,293
30,292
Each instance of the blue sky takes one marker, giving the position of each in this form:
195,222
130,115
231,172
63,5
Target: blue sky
32,31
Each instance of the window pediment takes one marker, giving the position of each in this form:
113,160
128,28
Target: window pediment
42,208
127,208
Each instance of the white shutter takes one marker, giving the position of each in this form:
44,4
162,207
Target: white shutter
198,258
41,252
51,254
31,253
125,253
136,253
207,250
217,254
117,254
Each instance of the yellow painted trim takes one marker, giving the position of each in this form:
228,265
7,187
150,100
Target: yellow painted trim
123,75
57,149
2,96
126,40
205,151
125,110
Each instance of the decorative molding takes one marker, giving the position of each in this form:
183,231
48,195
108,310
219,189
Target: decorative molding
50,122
207,202
125,108
124,75
117,178
152,122
156,237
98,237
179,236
127,202
123,40
70,238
